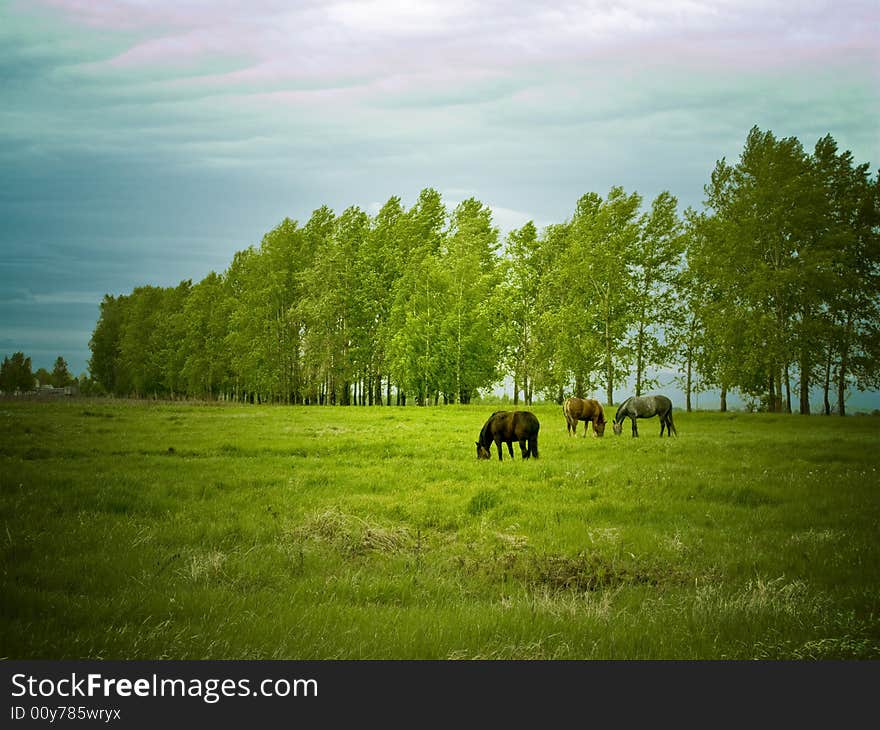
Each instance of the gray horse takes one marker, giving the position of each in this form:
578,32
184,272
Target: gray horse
645,407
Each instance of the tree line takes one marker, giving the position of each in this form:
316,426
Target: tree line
16,374
773,286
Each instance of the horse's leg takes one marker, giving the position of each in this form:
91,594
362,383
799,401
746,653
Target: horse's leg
670,425
635,428
662,425
510,448
523,449
498,445
533,446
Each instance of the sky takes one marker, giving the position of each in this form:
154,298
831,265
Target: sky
145,141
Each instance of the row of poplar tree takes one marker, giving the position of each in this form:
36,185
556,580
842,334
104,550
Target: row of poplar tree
773,289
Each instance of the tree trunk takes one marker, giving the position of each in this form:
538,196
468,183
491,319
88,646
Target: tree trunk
515,392
805,387
724,399
609,367
640,339
689,382
787,391
826,402
844,364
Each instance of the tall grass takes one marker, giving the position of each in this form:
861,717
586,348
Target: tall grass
137,530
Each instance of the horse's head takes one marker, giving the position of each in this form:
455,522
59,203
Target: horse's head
618,427
482,452
600,427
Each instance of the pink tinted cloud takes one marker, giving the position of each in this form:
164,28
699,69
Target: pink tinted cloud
280,41
169,14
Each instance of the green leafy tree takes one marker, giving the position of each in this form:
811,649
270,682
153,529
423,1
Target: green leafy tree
377,268
334,325
657,264
167,337
88,386
789,262
518,298
16,374
206,368
266,331
61,376
850,266
760,229
104,363
690,337
557,313
468,326
421,295
139,357
602,239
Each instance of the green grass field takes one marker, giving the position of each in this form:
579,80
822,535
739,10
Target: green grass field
148,531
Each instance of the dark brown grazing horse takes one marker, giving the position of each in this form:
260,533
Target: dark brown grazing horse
586,410
505,427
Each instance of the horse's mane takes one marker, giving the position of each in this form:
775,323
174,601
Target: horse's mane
484,433
621,410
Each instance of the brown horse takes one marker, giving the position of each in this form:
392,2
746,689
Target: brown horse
586,410
507,427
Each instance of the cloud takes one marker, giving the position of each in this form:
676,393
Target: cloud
145,142
25,296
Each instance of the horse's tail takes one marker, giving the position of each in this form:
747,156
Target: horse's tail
670,424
